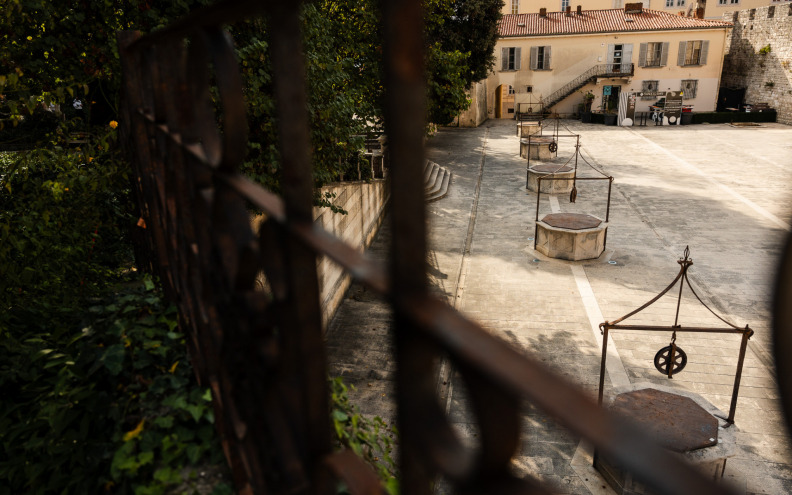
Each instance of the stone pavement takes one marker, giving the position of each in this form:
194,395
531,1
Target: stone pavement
721,190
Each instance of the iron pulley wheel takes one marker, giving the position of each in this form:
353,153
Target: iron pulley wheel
553,147
662,360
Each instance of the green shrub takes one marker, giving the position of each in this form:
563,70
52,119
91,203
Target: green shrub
726,117
110,405
370,438
63,220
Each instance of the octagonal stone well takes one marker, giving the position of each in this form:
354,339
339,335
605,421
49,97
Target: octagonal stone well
525,129
571,236
539,148
556,186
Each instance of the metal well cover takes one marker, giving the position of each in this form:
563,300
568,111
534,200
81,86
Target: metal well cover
676,422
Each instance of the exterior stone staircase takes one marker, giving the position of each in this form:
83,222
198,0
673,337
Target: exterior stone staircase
436,181
602,70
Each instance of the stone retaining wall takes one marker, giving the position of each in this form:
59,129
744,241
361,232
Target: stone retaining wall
767,77
365,206
477,113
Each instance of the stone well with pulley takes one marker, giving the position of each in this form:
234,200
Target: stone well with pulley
569,236
678,420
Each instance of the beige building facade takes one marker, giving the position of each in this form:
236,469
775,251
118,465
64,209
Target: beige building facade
712,9
552,61
688,7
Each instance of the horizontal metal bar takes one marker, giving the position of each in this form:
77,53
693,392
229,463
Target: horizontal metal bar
653,328
576,178
368,272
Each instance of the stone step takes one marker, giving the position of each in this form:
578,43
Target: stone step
428,168
442,189
429,183
436,181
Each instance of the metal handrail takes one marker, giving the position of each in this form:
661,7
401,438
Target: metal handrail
601,70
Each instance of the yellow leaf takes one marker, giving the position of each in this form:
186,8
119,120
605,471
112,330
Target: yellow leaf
173,368
134,433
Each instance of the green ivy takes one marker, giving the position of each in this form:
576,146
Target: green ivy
370,438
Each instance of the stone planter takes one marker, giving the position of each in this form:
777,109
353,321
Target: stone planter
585,117
610,118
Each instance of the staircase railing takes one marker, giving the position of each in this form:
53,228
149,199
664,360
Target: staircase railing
601,70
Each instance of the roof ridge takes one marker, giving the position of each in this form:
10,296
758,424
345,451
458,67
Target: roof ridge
600,21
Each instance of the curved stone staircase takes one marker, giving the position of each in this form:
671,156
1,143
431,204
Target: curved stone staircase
437,179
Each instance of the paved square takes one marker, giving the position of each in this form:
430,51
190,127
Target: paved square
723,191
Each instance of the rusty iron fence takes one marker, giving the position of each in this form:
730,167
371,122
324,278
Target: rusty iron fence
261,351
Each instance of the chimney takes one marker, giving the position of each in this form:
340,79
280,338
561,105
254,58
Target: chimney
633,8
700,13
543,12
579,10
569,11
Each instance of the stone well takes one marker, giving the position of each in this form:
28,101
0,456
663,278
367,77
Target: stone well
525,129
551,186
540,148
679,421
571,236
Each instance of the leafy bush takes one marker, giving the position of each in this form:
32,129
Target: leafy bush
726,117
113,405
63,218
370,438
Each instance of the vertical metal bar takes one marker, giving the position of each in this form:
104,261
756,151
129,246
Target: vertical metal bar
528,155
679,297
737,377
577,152
602,364
538,195
607,211
302,338
601,379
404,112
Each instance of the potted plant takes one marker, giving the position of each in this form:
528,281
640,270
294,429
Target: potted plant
610,117
588,99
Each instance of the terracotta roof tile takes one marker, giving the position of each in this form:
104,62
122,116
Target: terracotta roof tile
599,21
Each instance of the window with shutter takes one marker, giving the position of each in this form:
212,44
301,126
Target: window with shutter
515,6
693,52
510,58
540,58
689,88
654,54
649,86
